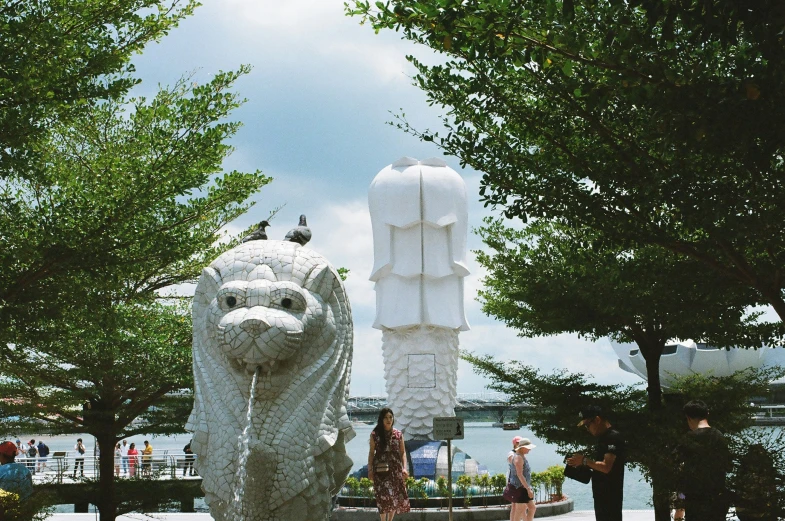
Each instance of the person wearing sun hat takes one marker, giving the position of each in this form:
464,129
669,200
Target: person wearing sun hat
607,464
14,477
519,491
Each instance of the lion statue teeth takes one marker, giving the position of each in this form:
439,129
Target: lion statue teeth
280,309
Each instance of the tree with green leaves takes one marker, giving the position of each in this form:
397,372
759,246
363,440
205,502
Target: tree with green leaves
548,279
651,436
128,199
650,122
56,57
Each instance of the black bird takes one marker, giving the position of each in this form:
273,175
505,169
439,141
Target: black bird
301,234
258,234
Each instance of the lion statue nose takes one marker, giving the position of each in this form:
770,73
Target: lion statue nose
255,325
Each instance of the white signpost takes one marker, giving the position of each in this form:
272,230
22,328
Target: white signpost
448,428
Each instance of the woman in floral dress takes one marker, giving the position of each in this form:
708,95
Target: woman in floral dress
387,447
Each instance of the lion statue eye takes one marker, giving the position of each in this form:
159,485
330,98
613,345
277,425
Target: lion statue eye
288,299
230,298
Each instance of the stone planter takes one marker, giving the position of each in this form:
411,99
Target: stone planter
474,513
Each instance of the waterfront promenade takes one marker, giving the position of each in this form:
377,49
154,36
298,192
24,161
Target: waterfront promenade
579,515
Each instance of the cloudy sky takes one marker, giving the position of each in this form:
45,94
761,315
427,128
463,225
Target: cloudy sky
320,94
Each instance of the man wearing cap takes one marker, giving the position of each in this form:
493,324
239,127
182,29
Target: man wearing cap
21,452
607,464
14,477
705,460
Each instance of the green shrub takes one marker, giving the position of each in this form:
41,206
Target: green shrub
464,484
441,486
556,479
498,482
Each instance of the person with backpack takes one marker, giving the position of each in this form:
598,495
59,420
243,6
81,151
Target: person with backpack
79,460
32,452
189,459
43,454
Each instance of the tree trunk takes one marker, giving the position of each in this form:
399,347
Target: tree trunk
652,354
774,296
651,349
106,500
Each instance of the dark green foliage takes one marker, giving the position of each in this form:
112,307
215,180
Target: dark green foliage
549,279
128,200
58,56
651,436
649,122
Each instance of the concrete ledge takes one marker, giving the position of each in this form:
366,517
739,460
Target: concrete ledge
492,513
556,508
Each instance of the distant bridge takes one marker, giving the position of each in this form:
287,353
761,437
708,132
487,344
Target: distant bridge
498,404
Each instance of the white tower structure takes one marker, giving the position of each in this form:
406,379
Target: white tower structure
419,215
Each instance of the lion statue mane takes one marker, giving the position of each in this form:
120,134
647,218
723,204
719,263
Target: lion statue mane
279,310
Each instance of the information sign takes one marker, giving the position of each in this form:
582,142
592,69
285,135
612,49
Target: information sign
448,428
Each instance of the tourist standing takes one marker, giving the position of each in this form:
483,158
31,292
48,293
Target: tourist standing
80,451
21,452
147,458
705,461
607,464
32,452
132,461
124,456
189,459
387,467
519,476
14,477
43,455
118,455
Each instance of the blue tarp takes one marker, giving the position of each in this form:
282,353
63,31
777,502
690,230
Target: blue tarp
423,458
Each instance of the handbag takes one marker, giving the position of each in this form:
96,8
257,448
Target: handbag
515,494
582,474
381,469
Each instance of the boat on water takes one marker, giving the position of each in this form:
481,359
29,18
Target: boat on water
511,426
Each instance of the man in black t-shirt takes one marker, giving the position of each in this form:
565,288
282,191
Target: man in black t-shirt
705,460
607,464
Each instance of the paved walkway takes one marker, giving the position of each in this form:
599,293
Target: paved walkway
579,515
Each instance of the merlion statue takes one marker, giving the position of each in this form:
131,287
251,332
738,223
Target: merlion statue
279,311
419,215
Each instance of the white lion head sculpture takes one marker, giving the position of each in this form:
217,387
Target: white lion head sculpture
281,309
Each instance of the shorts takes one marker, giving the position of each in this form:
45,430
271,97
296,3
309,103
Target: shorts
516,494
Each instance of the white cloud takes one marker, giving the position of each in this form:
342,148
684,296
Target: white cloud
311,35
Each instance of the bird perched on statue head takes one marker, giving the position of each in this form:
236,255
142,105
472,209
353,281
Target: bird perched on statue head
258,234
301,234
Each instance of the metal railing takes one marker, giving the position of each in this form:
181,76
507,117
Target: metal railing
62,467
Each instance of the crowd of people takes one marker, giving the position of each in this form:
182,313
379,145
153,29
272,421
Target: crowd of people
19,462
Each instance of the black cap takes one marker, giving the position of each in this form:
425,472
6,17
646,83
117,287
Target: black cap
589,413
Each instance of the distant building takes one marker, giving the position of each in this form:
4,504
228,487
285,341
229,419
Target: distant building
681,358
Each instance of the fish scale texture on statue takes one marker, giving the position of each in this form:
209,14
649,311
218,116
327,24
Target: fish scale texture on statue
280,309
